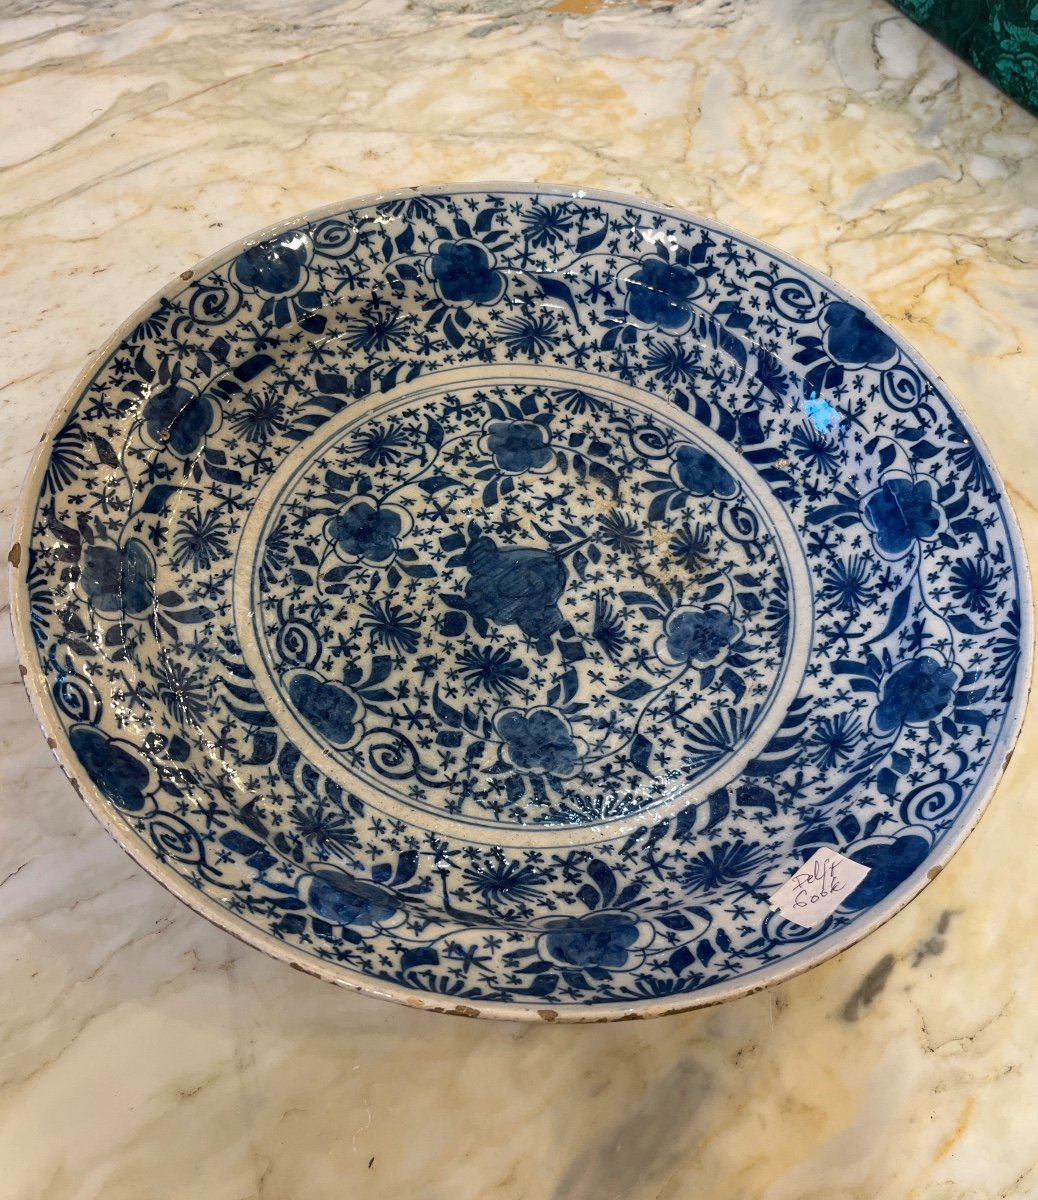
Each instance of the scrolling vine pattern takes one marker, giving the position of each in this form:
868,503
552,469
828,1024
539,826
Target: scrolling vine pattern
908,678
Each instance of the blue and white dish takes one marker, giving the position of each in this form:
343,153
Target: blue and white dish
486,597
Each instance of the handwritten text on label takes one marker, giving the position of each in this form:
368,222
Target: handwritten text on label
818,888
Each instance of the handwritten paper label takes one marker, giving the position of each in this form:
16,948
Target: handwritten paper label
818,888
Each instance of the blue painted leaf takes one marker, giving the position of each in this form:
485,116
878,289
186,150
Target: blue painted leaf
591,241
486,219
898,612
641,752
252,367
964,624
191,616
239,842
734,682
444,711
972,716
634,690
849,826
543,985
452,334
681,959
160,495
603,878
558,289
421,956
658,507
406,866
887,782
718,805
970,525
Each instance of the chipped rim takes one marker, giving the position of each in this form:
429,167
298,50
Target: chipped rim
812,956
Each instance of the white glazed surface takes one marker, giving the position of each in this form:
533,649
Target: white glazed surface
145,1053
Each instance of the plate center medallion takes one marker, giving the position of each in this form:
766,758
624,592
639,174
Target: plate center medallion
505,602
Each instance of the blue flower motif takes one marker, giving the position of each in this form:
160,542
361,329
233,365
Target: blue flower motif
518,446
697,635
464,273
119,774
476,634
367,531
599,939
890,861
540,740
118,580
915,693
974,583
177,418
901,511
852,339
328,708
344,900
513,586
657,292
701,474
277,267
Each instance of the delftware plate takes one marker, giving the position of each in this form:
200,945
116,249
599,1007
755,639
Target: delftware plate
487,597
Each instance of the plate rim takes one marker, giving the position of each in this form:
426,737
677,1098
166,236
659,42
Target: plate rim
205,906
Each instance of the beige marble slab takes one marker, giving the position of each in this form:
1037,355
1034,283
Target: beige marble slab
144,1055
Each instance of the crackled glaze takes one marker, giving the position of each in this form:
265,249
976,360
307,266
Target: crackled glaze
499,593
147,1052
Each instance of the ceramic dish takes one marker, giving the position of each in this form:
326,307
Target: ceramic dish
488,597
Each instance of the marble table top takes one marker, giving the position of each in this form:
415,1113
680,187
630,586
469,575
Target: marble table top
144,1054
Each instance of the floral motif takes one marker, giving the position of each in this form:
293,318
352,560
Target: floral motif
852,340
901,512
513,587
277,267
344,900
598,939
539,740
464,273
519,609
177,418
113,766
200,539
328,707
848,584
494,670
518,446
657,292
700,474
835,739
278,271
699,636
119,579
890,861
916,693
973,582
367,531
260,418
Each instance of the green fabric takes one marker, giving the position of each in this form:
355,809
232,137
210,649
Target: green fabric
998,37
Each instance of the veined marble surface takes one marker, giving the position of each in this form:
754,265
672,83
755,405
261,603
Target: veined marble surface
145,1055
